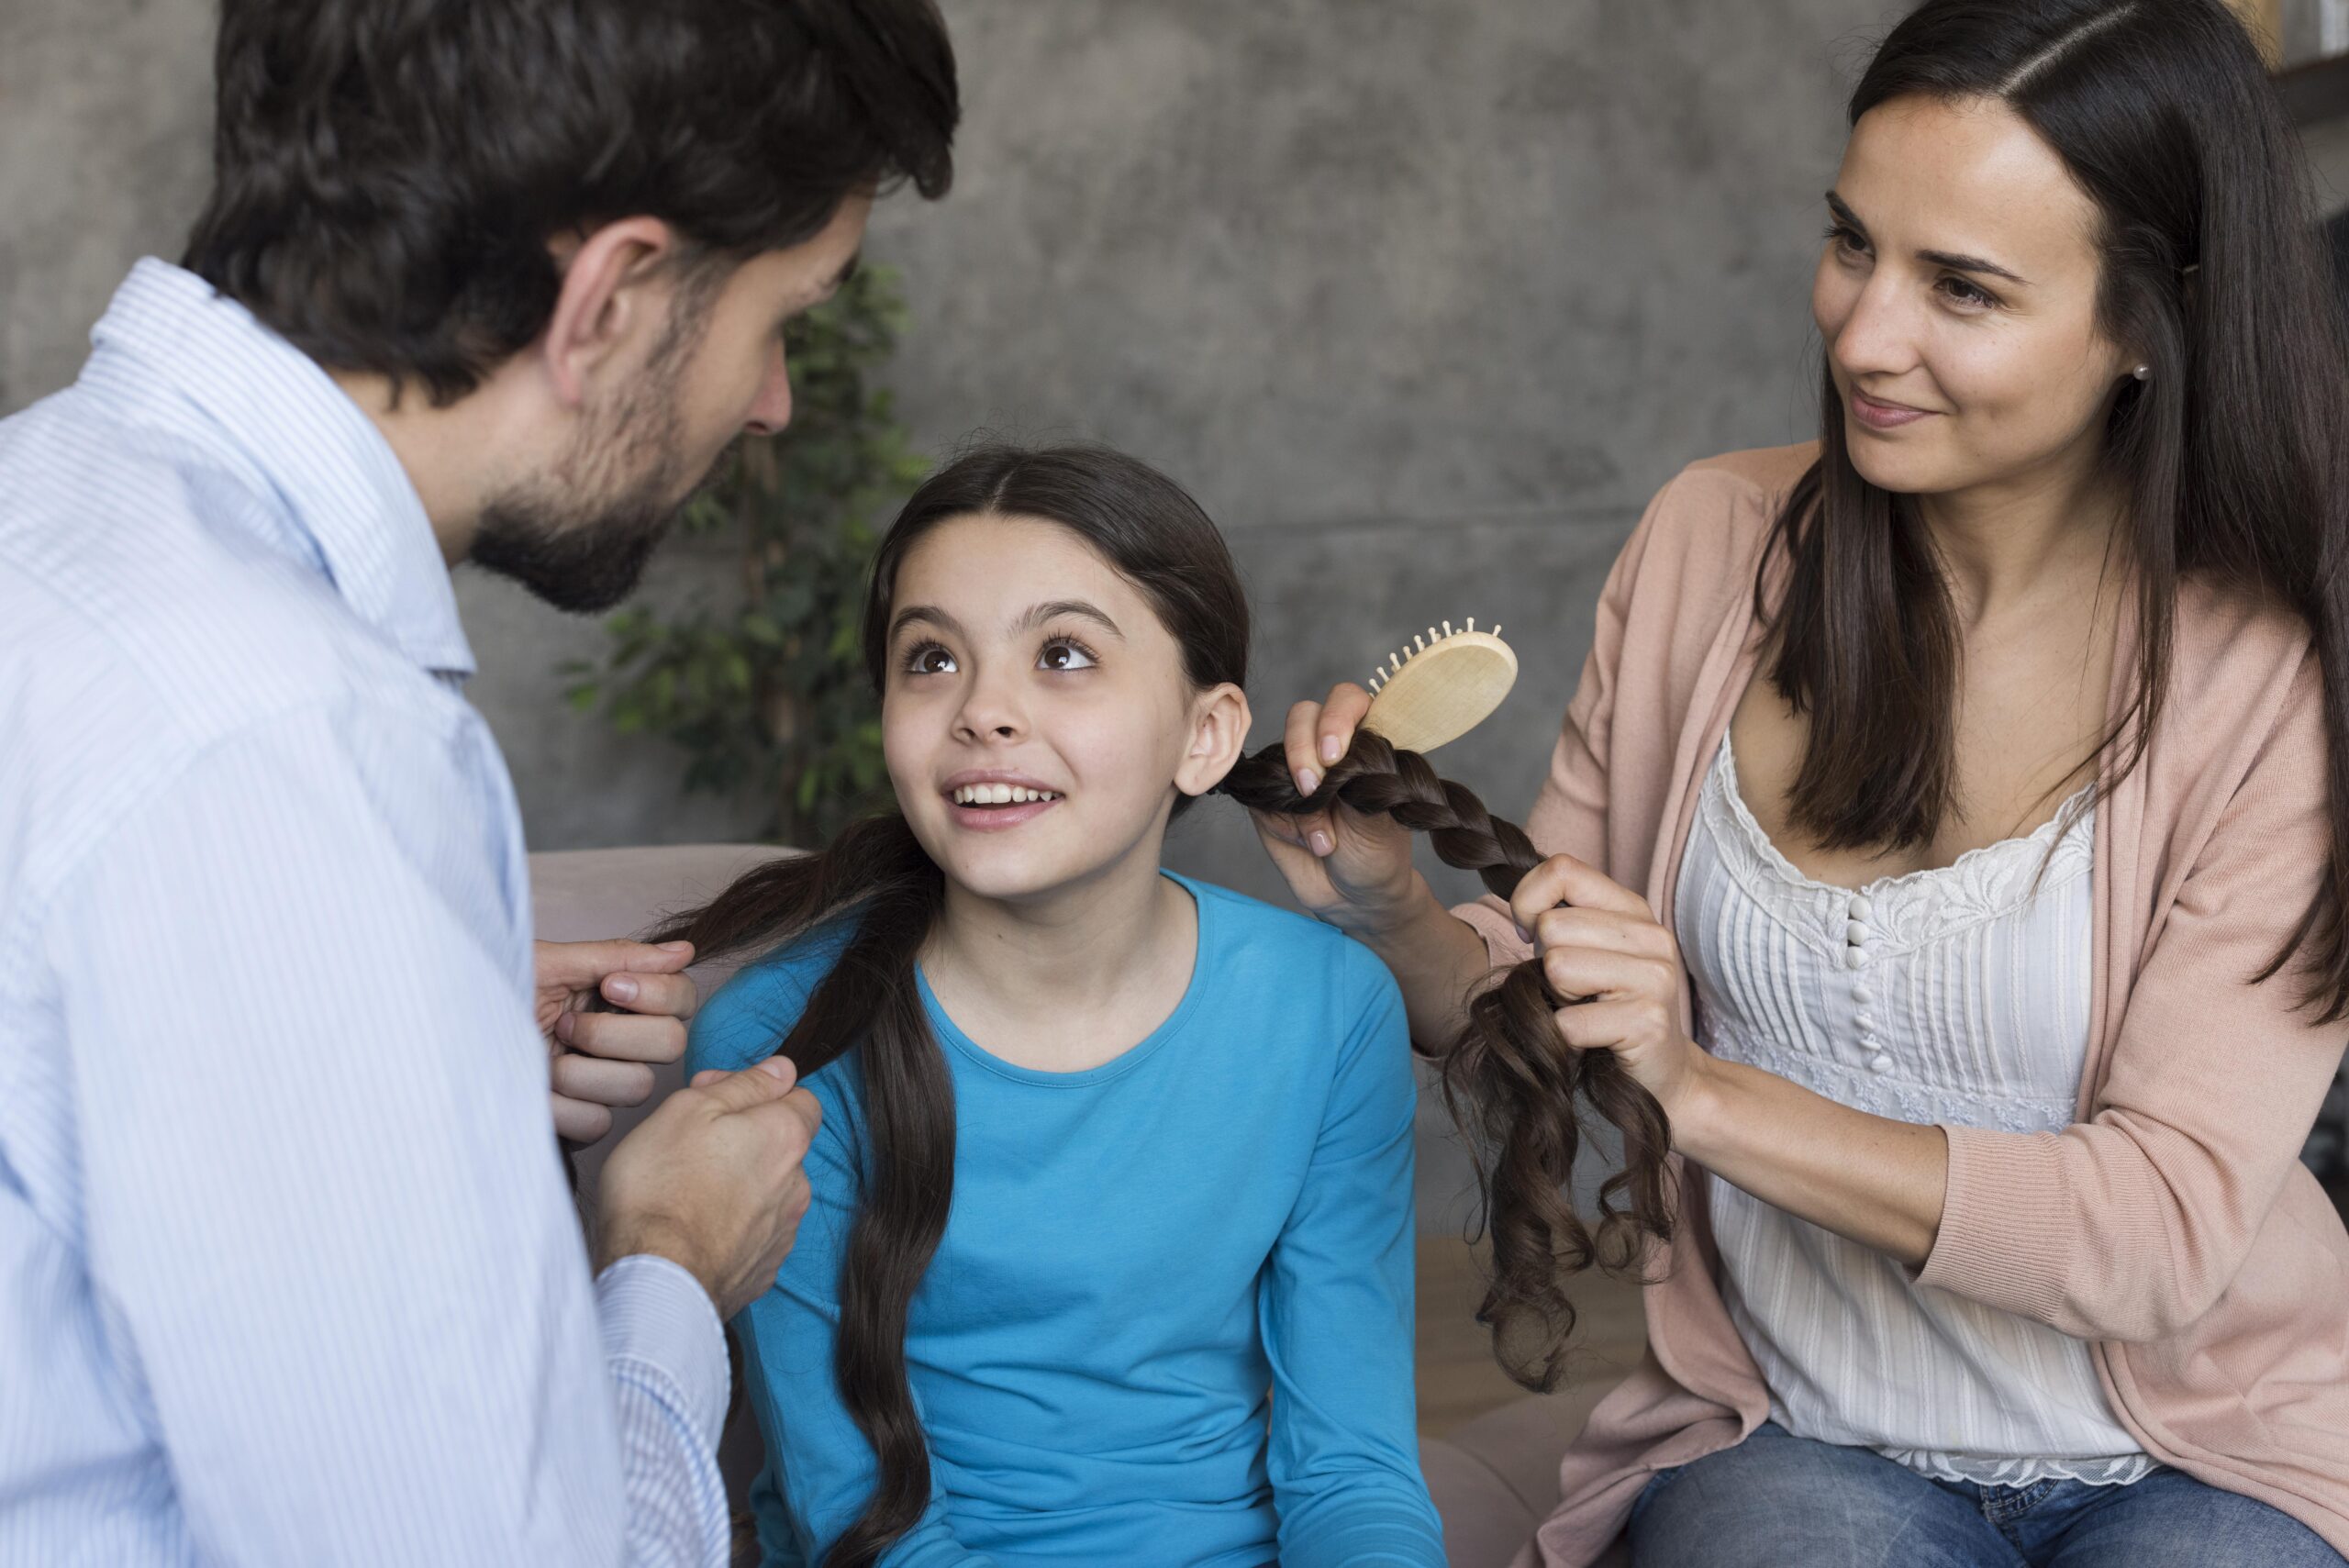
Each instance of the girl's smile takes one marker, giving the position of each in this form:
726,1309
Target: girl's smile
989,800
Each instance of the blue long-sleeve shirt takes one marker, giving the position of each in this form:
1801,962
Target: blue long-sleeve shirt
1170,1321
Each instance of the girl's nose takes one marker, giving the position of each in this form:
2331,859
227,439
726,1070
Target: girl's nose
990,711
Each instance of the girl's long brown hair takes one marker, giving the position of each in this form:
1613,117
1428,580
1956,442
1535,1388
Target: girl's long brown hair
876,879
1513,1085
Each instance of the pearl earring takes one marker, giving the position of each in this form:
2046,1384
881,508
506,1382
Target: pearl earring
2143,372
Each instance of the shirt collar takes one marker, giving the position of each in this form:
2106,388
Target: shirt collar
342,486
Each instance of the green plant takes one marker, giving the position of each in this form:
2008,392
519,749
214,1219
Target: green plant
768,694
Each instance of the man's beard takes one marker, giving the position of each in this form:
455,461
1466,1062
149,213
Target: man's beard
581,542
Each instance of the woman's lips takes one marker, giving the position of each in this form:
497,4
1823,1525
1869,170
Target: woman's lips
1879,415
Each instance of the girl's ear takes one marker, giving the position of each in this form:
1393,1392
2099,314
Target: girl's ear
1219,734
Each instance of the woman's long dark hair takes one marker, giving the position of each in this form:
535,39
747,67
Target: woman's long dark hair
877,876
2228,455
1512,1085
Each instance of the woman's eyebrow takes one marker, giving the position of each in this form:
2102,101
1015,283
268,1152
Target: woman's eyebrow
1953,260
1053,609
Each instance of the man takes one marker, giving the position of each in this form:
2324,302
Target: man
287,1272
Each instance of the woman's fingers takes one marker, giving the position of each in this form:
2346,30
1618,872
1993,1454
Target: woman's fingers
1341,717
1605,1025
1607,976
1566,927
1562,879
1318,734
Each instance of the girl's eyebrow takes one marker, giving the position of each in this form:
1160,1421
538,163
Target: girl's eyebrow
1954,262
924,615
1055,609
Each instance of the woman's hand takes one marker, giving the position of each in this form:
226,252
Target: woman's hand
1352,871
1599,942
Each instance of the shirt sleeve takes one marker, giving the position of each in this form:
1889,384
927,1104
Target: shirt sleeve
325,1221
1336,1311
822,1467
2130,1226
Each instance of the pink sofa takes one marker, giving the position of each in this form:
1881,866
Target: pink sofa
1493,1479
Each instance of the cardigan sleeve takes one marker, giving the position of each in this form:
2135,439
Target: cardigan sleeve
2131,1225
1569,815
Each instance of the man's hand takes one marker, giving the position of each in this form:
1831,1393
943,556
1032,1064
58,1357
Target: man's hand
601,1060
712,1181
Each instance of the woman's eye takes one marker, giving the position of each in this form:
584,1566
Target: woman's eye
1972,295
1847,241
930,660
1063,654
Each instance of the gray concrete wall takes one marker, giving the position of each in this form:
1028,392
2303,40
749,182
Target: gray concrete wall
1423,298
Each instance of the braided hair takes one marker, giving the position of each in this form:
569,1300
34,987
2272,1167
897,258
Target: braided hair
1509,1081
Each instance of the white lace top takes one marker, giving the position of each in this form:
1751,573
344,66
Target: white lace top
1958,994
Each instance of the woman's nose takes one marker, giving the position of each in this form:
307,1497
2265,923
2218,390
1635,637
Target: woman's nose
1877,338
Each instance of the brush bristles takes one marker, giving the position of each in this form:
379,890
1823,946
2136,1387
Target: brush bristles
1419,643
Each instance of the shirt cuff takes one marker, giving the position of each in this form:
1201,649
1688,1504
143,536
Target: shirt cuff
659,1321
1490,920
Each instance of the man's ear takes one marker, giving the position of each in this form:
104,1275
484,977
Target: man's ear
1219,720
614,292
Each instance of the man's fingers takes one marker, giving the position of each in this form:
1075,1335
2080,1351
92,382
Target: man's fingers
760,1083
614,1084
669,996
622,1037
580,965
579,1121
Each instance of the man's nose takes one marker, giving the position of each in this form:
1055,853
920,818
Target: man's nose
771,411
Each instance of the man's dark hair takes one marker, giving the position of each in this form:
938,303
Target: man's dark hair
389,172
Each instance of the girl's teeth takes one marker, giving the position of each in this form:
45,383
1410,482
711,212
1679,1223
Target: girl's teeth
1000,794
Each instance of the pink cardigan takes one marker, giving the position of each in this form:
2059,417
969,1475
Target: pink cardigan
2173,1227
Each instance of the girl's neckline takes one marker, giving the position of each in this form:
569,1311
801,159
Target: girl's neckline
2077,807
1125,1061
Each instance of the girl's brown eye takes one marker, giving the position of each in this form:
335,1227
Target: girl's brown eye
1064,655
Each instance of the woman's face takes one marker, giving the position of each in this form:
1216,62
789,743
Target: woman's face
1022,665
1957,298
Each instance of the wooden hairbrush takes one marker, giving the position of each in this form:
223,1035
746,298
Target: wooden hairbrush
1440,686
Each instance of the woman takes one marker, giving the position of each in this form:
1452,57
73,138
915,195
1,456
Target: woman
1951,832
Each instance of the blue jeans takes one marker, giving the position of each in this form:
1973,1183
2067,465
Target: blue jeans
1779,1501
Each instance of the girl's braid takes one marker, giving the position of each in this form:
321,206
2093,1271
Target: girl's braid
1511,1082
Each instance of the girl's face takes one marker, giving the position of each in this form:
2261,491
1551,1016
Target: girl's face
1957,296
1037,720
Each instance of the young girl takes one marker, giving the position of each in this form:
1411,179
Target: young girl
1110,1255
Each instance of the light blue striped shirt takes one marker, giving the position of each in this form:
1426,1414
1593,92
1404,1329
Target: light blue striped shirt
288,1274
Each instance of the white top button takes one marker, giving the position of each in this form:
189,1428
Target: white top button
1861,907
1879,1063
1855,933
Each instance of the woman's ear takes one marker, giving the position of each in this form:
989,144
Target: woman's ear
1219,732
